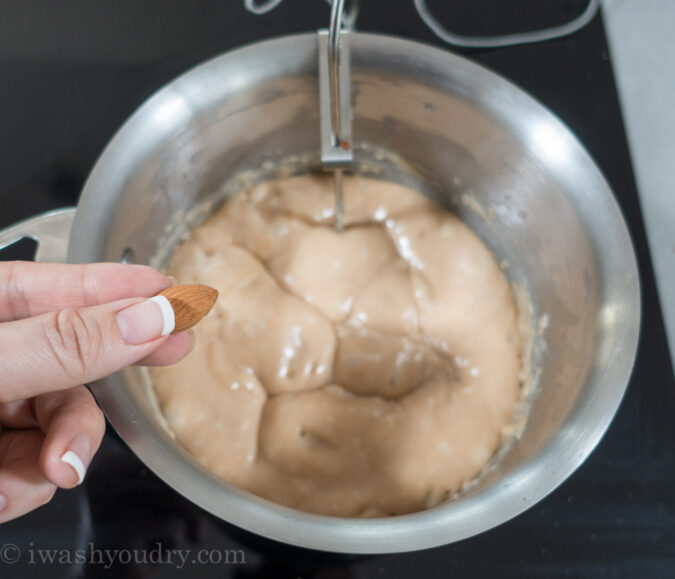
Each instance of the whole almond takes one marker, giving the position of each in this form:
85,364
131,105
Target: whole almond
190,303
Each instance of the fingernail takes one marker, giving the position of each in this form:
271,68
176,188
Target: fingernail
78,455
146,321
3,503
173,280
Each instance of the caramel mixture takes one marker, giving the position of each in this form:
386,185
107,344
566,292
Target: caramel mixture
366,373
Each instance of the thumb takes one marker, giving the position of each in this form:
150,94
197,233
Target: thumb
75,346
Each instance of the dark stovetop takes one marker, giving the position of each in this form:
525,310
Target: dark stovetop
72,71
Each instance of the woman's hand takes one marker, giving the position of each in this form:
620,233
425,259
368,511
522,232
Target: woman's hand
62,326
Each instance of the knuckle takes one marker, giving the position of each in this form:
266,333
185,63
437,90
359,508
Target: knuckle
73,340
94,416
17,301
90,413
45,494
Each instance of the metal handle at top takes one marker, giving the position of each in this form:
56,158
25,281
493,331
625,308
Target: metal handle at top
334,30
335,92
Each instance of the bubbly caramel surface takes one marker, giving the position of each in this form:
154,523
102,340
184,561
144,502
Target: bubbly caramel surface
367,373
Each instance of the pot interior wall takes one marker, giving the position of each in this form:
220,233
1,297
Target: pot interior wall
439,142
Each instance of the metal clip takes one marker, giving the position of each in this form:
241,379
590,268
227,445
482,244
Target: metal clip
335,103
335,107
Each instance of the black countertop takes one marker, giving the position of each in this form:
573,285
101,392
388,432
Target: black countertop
72,71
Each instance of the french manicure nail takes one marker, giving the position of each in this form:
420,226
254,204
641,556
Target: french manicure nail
146,321
78,455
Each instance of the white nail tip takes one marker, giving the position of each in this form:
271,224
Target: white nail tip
69,457
167,314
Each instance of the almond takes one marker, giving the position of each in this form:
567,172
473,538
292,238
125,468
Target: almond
190,303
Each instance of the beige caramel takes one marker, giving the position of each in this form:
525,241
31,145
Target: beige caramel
367,373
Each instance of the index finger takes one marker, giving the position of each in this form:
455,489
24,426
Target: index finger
29,289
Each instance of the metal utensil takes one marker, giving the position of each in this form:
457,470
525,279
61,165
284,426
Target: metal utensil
335,107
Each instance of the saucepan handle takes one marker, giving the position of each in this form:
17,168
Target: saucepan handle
51,231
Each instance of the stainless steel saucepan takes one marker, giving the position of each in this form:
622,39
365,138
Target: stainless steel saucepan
475,142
